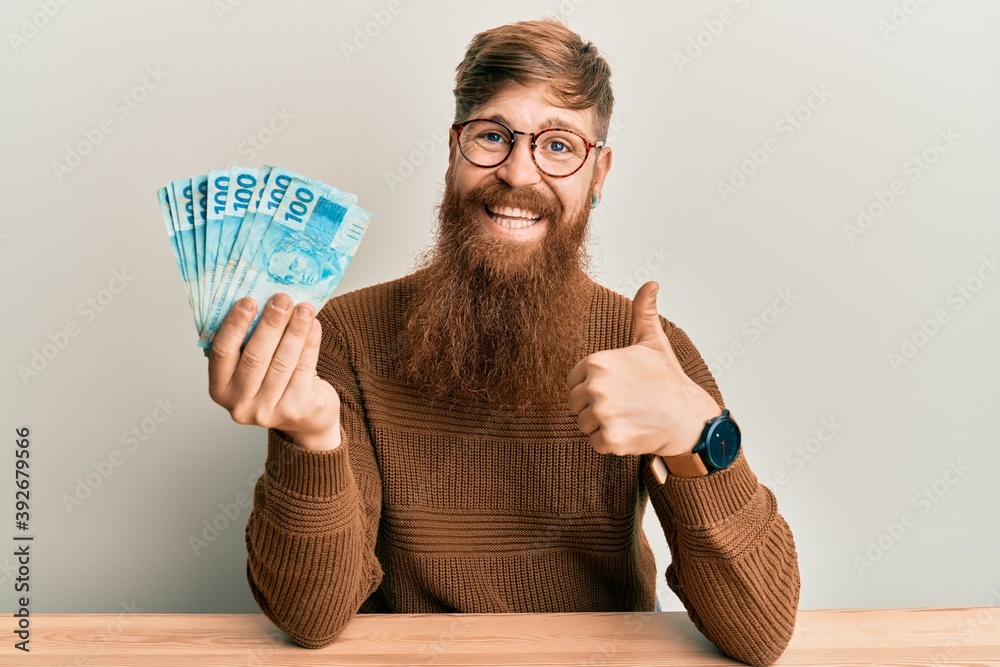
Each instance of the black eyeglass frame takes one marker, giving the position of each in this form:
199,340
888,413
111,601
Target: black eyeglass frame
458,127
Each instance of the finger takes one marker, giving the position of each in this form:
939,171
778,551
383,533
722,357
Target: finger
587,422
225,354
647,330
597,442
302,379
286,356
259,350
577,374
579,398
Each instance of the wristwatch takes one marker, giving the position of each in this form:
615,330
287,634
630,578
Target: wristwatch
717,448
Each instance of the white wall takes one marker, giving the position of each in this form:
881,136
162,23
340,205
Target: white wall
681,128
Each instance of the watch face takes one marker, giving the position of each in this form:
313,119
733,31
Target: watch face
723,443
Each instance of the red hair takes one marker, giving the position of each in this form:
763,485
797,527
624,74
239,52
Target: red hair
531,51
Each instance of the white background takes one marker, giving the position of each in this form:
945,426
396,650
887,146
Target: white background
680,128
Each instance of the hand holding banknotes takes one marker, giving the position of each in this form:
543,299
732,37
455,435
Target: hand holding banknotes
257,232
247,242
272,382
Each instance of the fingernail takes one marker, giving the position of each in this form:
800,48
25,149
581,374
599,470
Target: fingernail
303,311
280,302
246,304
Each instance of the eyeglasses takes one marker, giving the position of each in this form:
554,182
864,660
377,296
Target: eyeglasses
555,151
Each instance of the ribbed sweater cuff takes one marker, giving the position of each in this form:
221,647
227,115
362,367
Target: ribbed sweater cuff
304,472
703,501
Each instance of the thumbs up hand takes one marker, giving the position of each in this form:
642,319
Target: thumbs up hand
637,399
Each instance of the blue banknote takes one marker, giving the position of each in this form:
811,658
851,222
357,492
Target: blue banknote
199,193
218,189
185,241
187,199
256,225
313,235
258,232
242,183
242,244
168,218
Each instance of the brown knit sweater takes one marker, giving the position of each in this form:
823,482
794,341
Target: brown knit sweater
463,508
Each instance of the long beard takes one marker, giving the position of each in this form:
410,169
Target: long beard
494,319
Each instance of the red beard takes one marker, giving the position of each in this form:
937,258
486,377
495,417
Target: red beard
494,319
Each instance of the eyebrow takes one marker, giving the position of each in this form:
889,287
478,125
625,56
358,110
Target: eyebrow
550,122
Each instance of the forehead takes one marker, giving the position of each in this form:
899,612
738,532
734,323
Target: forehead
532,108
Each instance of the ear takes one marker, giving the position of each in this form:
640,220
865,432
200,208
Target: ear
452,146
603,167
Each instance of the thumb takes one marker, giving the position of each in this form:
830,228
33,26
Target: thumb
647,330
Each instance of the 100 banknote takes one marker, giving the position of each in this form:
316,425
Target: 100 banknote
257,232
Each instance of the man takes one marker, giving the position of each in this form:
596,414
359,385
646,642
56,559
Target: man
482,435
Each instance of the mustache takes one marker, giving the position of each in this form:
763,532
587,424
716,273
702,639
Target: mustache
498,195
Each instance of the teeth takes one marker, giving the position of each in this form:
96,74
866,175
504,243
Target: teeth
516,213
513,218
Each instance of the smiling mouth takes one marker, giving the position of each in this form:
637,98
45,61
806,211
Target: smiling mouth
512,218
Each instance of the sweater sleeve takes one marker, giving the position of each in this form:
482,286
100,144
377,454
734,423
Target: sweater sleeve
310,536
733,560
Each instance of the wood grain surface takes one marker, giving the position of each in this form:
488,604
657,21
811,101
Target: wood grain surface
922,637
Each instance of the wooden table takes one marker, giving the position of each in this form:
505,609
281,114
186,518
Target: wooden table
899,637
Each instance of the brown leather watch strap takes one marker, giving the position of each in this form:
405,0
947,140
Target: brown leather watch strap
686,465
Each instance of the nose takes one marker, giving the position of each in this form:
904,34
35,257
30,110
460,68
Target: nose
519,170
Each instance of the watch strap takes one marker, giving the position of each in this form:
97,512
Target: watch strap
685,465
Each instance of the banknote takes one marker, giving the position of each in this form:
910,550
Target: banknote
257,232
199,192
232,275
242,183
187,198
185,241
313,235
218,189
168,218
256,222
